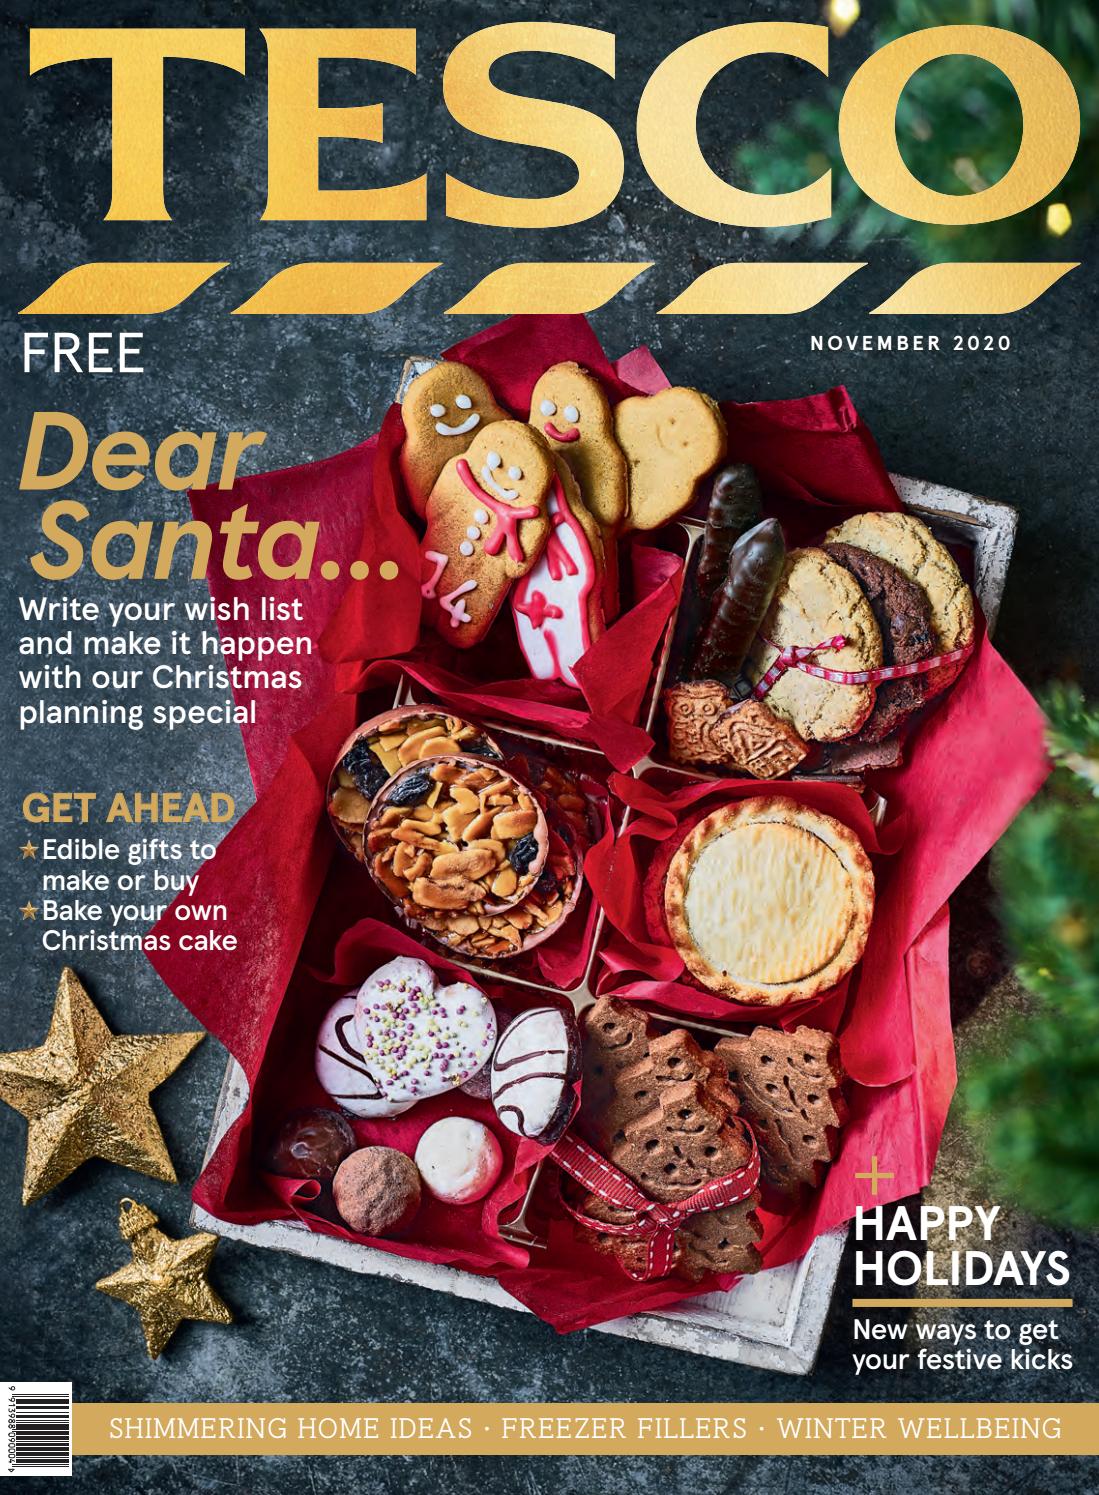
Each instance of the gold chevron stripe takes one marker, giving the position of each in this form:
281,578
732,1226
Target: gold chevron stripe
128,288
341,288
746,290
547,286
989,289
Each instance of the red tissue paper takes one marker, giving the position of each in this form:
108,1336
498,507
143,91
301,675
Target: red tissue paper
308,917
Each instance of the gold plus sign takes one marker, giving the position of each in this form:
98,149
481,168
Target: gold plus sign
874,1174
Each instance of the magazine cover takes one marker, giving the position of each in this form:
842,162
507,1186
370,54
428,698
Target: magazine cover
551,741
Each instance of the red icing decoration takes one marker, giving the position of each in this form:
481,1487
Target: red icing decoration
551,430
507,530
558,561
535,607
529,601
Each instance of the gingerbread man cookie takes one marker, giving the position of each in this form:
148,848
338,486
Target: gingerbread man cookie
486,526
570,408
558,605
443,409
671,439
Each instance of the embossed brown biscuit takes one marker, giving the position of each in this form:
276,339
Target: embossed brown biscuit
671,439
907,543
677,1057
707,725
569,407
817,600
443,410
659,1108
789,1085
486,526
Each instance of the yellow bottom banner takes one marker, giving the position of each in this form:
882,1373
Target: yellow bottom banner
504,1428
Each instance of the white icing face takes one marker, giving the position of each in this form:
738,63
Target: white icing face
462,428
493,462
558,422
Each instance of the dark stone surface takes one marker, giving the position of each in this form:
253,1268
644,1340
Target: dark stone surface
1018,426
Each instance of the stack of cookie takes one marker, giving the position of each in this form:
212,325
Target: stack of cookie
659,1107
483,853
892,594
532,512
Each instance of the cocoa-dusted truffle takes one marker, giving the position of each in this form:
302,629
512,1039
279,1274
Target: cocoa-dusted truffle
377,1190
310,1144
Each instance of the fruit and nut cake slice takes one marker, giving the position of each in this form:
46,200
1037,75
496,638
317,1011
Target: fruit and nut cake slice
382,747
454,835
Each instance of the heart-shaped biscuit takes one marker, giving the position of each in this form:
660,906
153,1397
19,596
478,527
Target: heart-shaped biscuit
418,1038
671,439
343,1071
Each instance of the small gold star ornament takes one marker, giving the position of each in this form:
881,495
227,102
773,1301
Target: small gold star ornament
85,1093
165,1282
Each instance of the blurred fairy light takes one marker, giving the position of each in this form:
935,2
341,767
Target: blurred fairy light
841,15
1058,219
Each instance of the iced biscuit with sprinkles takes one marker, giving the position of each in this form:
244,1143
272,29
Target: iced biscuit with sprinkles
443,410
418,1038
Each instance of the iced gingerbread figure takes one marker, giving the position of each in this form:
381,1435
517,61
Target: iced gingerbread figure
558,605
487,524
569,407
443,410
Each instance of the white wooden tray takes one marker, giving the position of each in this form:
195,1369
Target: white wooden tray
775,1319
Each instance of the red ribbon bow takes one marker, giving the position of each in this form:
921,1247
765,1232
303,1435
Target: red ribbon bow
798,657
653,1221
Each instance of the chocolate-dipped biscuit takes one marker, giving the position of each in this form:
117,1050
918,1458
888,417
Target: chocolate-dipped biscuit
342,1069
535,1065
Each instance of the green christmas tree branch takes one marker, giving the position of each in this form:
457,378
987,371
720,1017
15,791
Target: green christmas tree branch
958,128
1032,1097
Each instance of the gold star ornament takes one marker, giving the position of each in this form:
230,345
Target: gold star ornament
165,1281
85,1093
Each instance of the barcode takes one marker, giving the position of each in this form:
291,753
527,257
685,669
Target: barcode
39,1427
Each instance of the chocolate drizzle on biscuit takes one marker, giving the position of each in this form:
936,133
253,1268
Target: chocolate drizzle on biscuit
351,1058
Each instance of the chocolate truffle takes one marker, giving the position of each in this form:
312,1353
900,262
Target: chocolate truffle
377,1190
310,1144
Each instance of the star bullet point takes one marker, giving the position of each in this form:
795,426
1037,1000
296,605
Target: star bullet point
29,849
85,1092
29,911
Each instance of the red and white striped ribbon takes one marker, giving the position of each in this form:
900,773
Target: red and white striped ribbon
798,656
655,1222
